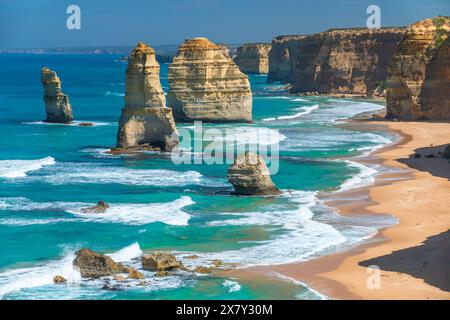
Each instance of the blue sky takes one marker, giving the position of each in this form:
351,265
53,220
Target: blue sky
42,23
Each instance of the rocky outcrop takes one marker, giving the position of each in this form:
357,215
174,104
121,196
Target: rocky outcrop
419,75
205,84
249,175
345,61
95,265
283,57
146,122
59,279
101,207
160,261
253,58
57,104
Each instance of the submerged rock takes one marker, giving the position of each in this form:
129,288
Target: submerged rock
206,85
101,207
96,265
419,75
134,274
160,261
145,120
253,58
59,279
249,175
57,104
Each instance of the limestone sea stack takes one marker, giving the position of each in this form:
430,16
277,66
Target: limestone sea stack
253,58
206,85
57,104
249,176
146,122
283,57
418,84
345,61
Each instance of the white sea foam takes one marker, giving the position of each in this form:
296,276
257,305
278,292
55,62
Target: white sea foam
115,94
19,168
16,279
232,286
71,124
76,173
139,214
309,294
170,213
301,237
304,111
131,252
252,135
365,177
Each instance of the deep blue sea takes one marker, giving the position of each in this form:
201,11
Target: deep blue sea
49,171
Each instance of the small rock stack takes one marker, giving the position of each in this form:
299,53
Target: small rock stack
57,104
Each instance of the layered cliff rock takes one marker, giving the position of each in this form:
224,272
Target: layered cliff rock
345,61
253,58
146,122
283,57
57,104
249,175
418,85
205,84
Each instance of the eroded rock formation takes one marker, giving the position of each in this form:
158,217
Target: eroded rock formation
249,175
57,104
160,261
418,86
146,122
96,265
253,58
101,207
283,57
345,61
205,84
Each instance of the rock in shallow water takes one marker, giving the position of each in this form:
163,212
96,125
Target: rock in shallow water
101,207
96,265
59,279
57,104
249,175
206,85
145,120
160,261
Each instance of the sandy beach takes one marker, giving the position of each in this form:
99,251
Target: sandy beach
413,255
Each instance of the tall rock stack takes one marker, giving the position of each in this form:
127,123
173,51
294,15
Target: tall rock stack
345,61
205,84
283,57
419,75
57,104
253,58
146,122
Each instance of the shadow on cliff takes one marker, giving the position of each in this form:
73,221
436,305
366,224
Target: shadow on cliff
429,159
428,261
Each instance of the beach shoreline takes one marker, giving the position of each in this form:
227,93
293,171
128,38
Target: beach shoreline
416,198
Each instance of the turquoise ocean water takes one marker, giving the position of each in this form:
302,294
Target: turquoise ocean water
48,172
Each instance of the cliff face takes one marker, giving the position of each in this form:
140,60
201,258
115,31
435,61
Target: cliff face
57,104
283,57
253,58
145,120
205,84
419,75
345,61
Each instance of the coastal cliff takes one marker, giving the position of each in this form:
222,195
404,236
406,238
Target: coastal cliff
282,58
253,58
146,121
419,76
57,104
205,84
345,61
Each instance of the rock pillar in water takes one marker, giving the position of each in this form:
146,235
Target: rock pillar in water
57,104
146,122
206,85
